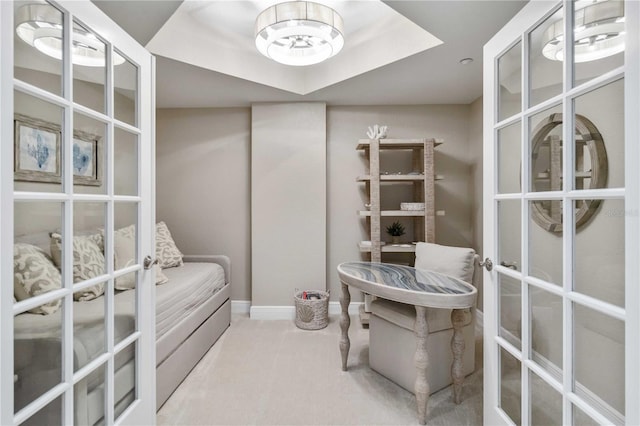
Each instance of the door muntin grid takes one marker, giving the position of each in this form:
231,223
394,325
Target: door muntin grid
543,353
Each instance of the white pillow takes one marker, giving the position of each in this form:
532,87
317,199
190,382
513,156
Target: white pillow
457,262
34,273
124,246
167,252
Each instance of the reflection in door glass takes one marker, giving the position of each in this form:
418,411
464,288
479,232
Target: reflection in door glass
38,144
38,46
126,151
510,299
89,68
125,378
545,60
125,98
600,140
89,156
510,386
509,236
599,341
599,33
89,396
599,252
546,402
545,143
545,240
546,330
509,149
510,82
37,351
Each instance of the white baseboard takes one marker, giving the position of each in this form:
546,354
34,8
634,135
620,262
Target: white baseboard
272,312
240,306
335,309
289,312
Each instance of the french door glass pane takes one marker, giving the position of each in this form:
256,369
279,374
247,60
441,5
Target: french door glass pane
600,144
546,402
510,299
599,360
545,240
50,415
545,59
125,255
90,397
510,82
89,70
36,268
125,97
126,148
89,338
89,155
599,252
581,419
125,379
37,352
546,330
38,144
509,148
38,24
597,52
509,235
510,386
546,150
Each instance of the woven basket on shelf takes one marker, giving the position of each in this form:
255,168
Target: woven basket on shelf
312,314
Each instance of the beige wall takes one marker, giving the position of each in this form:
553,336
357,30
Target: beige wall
475,189
202,185
211,147
288,201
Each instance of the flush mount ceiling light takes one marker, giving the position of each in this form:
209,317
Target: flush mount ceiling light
40,25
598,32
299,33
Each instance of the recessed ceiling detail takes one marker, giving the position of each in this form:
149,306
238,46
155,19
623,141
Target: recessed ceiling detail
219,36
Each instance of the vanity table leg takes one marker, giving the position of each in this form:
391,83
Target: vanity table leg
421,362
457,348
345,322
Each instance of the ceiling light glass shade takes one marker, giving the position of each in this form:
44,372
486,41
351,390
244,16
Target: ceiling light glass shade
39,25
598,32
299,33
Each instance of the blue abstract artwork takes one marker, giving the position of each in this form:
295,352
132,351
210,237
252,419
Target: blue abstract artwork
82,158
38,150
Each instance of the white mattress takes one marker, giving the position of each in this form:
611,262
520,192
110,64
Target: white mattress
198,282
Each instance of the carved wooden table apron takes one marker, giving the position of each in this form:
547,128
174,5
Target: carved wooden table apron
423,289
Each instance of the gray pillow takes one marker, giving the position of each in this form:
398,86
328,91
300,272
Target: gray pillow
34,273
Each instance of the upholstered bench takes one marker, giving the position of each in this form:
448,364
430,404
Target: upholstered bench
392,343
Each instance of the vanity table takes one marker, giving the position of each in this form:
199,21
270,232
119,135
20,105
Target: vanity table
423,289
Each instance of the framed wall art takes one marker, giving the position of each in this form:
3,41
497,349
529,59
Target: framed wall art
38,153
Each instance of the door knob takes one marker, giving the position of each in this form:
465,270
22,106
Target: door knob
149,262
487,264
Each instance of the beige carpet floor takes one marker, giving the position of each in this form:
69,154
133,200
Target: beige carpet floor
272,373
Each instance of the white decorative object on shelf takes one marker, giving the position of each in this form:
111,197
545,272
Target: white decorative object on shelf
411,206
377,132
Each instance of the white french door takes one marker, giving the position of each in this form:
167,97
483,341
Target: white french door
561,221
77,219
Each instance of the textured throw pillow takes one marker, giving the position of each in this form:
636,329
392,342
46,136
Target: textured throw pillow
161,278
167,253
34,273
124,255
88,262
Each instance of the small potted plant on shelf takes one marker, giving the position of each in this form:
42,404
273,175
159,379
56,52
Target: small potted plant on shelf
396,230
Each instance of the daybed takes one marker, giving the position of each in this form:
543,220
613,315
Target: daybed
192,311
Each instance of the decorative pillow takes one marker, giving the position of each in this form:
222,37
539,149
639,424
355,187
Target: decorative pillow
124,255
161,278
34,273
88,262
167,253
457,262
